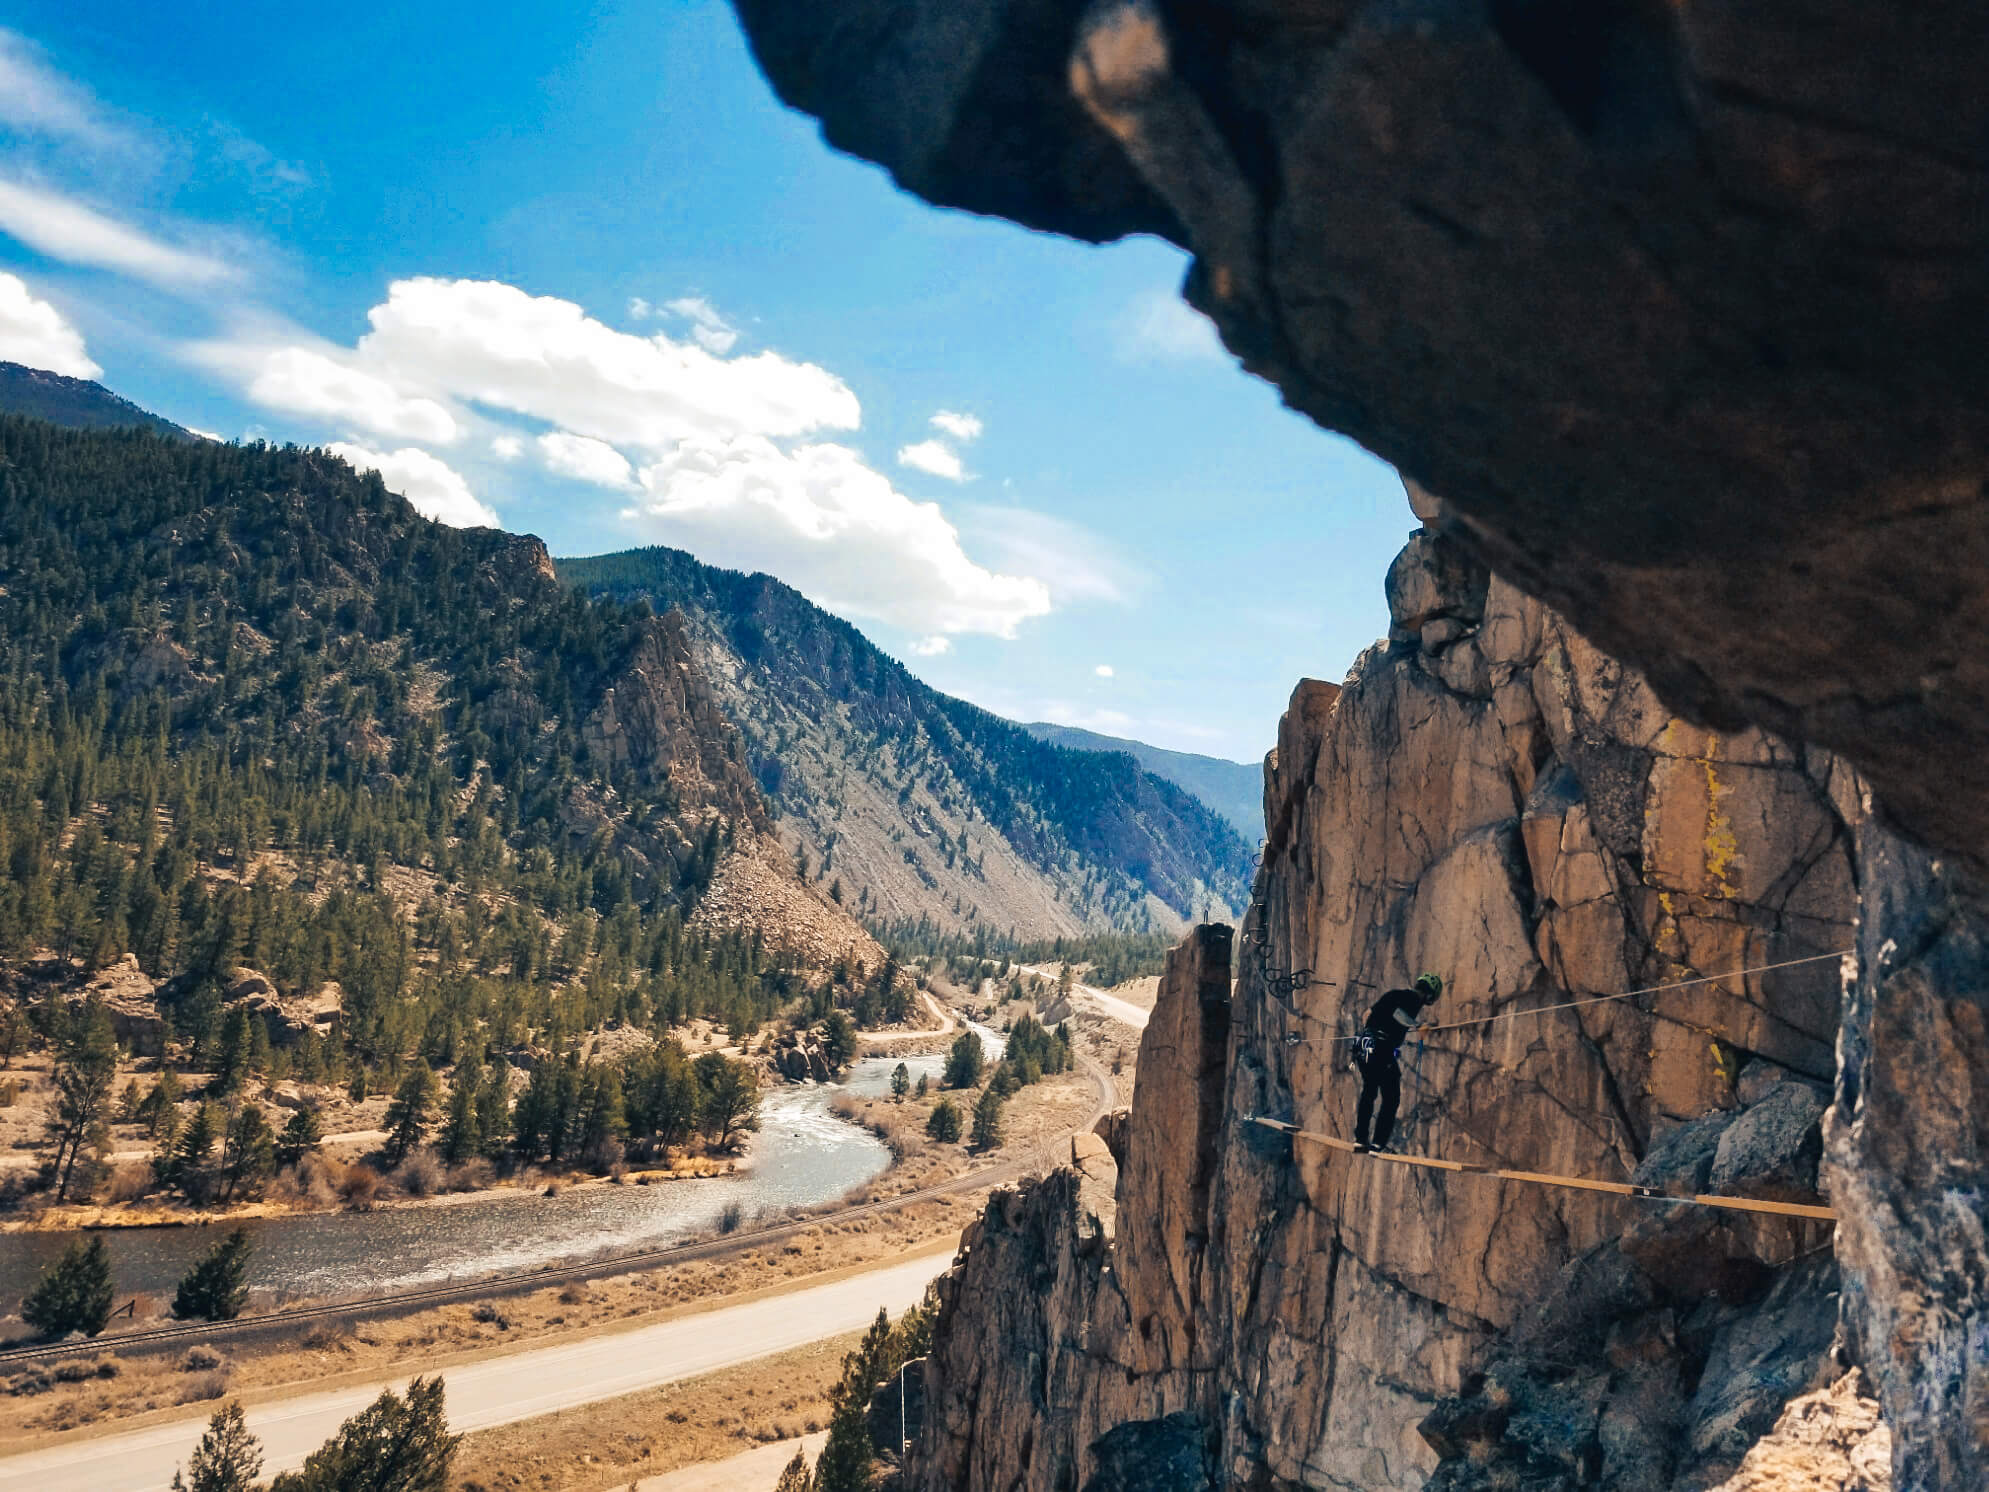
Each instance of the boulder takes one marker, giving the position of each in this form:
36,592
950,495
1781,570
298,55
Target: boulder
1176,1452
1772,1150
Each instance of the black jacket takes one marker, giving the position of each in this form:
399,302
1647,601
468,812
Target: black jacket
1393,1014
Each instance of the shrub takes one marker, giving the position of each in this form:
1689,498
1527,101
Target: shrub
359,1188
487,1314
74,1294
202,1387
731,1218
227,1459
200,1358
132,1180
420,1175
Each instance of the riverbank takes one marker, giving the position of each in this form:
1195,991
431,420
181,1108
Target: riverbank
326,1352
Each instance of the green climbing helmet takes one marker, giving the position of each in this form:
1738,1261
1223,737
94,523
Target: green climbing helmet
1430,985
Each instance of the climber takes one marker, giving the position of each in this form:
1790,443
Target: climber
1378,1053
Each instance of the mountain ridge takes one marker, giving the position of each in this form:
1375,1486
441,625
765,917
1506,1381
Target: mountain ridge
77,403
1233,789
927,804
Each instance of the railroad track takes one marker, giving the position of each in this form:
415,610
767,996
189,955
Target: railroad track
291,1320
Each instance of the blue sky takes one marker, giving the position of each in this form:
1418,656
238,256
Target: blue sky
576,269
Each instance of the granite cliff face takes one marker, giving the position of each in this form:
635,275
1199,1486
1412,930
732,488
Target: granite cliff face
1489,796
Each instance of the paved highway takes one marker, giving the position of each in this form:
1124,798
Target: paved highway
499,1390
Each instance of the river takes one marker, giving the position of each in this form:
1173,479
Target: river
802,1156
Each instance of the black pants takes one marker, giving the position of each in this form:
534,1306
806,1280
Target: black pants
1381,1076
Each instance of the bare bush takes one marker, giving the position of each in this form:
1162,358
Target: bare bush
27,1384
202,1387
360,1187
487,1314
326,1336
730,1219
472,1175
201,1358
575,1293
131,1181
315,1181
420,1175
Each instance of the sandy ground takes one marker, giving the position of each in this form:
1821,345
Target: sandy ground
769,1404
749,1471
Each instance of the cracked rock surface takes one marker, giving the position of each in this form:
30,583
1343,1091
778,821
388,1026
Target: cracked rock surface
1511,807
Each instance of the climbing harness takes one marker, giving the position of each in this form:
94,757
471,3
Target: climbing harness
1538,1178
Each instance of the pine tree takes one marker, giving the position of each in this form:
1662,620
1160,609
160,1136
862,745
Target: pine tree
227,1459
901,1082
795,1478
188,1165
394,1445
964,1061
74,1293
216,1288
987,1119
407,1115
301,1136
461,1138
86,1061
248,1153
944,1123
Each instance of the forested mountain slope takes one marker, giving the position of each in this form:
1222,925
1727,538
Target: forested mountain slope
75,402
255,710
1233,789
908,802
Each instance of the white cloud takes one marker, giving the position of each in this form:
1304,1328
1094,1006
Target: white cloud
1103,670
961,427
220,440
934,456
712,331
929,647
33,332
507,448
1160,327
493,344
1075,563
640,309
35,98
837,530
310,382
586,460
65,229
435,489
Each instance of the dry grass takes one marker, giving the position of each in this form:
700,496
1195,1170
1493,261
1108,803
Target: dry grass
616,1441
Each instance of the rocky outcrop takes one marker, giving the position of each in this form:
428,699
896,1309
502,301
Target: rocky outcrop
1489,796
1675,305
132,1002
1830,1441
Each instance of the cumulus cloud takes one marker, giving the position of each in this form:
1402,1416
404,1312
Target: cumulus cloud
507,448
930,647
640,309
1160,327
493,344
1103,670
586,460
64,229
310,382
33,332
436,490
935,457
711,330
822,520
962,427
